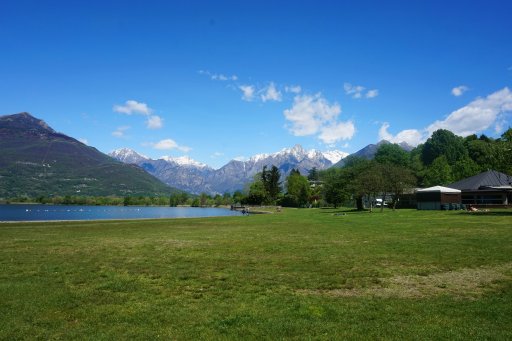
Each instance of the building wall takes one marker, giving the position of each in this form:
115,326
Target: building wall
485,198
429,205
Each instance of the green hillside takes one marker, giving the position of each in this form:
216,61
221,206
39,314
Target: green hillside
36,160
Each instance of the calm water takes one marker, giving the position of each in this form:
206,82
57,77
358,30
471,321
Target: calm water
60,212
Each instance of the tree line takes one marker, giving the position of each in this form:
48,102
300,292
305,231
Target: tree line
444,158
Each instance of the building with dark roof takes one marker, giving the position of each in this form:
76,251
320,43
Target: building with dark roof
485,189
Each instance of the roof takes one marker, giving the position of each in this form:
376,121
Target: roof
486,180
440,189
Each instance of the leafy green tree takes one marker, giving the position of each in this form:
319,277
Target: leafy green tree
313,174
464,168
438,173
203,199
237,197
297,188
392,154
397,180
443,143
257,194
370,182
334,186
271,183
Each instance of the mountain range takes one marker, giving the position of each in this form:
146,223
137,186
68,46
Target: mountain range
195,177
35,160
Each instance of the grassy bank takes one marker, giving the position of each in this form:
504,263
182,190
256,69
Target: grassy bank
297,274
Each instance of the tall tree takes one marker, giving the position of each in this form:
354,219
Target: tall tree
297,188
271,183
443,143
371,182
438,173
392,154
313,174
397,180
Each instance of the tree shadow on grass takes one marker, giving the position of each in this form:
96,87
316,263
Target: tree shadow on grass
488,213
330,210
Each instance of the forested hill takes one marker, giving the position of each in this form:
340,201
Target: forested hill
35,160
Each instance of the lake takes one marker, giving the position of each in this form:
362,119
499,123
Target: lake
27,212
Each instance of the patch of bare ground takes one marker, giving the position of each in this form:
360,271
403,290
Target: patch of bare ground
464,283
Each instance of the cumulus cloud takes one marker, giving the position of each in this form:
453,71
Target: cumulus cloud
120,132
154,122
294,89
412,137
84,141
270,93
358,91
477,116
372,93
169,144
131,107
312,115
333,132
473,118
248,92
459,90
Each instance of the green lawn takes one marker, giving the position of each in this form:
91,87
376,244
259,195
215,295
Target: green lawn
299,274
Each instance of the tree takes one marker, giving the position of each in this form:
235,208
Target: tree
443,143
272,185
334,186
297,188
257,194
396,181
313,174
438,173
392,154
370,182
203,199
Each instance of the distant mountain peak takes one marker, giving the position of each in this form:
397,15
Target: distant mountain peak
185,161
127,155
26,121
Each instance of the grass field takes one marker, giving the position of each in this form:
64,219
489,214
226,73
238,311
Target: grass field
298,274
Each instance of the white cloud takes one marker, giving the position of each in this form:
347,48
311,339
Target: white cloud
372,93
353,90
84,141
473,118
294,89
337,131
120,132
154,122
248,92
312,115
410,136
476,116
240,158
169,144
459,90
133,107
358,91
270,93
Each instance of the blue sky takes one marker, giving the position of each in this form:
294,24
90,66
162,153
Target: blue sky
220,80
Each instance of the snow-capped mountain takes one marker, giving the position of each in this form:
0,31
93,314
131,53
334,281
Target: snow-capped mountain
195,177
127,155
185,161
